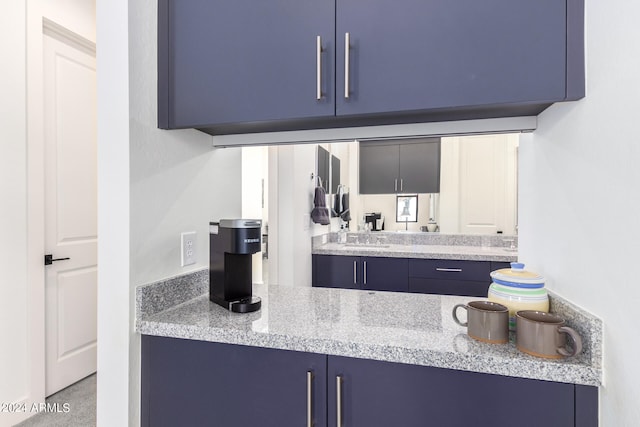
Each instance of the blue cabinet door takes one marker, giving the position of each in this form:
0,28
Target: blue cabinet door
333,271
412,55
378,168
385,274
375,393
223,61
196,383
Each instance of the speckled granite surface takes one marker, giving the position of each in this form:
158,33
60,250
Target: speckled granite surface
419,245
470,253
419,238
397,327
158,296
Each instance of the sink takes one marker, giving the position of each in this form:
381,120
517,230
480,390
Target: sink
365,245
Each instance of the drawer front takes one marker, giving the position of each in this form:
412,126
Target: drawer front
450,269
497,265
448,287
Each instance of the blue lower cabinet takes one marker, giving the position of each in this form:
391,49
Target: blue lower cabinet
195,383
425,276
469,288
374,393
336,271
349,272
385,274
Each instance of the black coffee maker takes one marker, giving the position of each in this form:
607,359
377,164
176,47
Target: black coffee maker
372,218
231,244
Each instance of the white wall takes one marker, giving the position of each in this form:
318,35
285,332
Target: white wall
255,180
114,302
294,227
14,349
153,185
579,199
386,205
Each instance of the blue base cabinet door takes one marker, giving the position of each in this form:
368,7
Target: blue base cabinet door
244,61
351,272
196,383
413,55
367,393
330,271
385,274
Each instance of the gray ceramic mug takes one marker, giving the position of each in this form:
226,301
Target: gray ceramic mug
545,335
486,321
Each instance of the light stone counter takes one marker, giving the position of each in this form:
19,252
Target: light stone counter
471,253
418,245
396,327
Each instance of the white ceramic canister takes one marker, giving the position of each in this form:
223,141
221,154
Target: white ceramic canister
518,289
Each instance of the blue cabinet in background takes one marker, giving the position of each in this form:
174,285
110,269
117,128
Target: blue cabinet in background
425,276
349,272
249,66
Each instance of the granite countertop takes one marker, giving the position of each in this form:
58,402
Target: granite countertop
389,326
457,252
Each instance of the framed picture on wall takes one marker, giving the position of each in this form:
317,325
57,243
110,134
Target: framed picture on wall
407,208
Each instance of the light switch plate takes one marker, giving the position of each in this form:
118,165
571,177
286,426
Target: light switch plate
188,248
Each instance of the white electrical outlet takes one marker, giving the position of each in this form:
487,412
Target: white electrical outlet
188,248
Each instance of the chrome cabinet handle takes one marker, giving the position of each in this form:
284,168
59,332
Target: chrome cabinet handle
365,272
318,68
355,276
395,185
338,401
346,65
401,181
309,399
451,270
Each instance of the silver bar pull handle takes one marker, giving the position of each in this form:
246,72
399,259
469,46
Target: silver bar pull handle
339,401
346,65
365,272
309,399
318,68
355,276
395,185
401,181
450,270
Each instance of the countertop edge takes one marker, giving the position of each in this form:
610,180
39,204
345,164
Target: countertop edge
414,255
537,369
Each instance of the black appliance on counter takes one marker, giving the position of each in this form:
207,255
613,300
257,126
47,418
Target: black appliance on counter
231,244
372,218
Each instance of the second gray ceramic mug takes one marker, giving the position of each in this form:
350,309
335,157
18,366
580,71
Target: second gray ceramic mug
486,321
544,334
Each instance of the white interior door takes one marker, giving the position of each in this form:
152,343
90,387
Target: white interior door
487,195
70,211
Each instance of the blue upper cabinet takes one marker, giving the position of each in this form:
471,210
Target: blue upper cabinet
232,61
239,66
440,54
